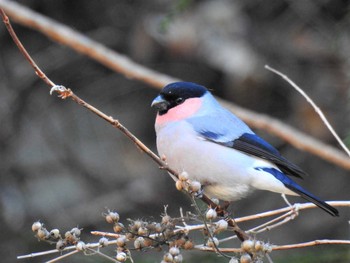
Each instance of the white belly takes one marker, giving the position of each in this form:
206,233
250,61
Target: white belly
226,173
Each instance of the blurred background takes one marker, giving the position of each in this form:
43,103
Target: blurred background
63,165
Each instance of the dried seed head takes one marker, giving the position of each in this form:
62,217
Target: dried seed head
80,246
42,233
195,186
137,224
158,227
178,259
103,242
70,238
221,225
76,232
166,219
248,245
188,244
36,226
180,242
121,256
211,214
174,251
61,244
179,185
142,231
259,246
213,242
267,248
55,233
233,260
118,227
148,242
139,243
112,217
183,176
121,241
168,257
129,236
246,258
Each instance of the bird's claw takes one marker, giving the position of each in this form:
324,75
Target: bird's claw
62,91
295,210
199,193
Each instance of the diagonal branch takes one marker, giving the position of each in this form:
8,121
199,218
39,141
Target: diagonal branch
312,103
130,69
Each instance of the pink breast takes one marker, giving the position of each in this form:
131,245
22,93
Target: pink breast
180,112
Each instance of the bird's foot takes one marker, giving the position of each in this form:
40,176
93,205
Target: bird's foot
294,208
199,193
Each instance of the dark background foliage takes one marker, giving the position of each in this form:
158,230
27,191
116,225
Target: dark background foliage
64,166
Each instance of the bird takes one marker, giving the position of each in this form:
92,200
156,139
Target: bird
196,135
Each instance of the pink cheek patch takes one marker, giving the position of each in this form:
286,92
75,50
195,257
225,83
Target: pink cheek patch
180,112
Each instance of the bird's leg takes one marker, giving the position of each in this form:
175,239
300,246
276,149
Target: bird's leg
294,208
199,193
286,200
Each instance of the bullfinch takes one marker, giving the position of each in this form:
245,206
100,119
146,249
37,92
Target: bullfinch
197,135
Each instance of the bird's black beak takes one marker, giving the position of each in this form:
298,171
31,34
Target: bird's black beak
160,104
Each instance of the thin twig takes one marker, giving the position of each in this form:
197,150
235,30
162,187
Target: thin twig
24,52
183,217
286,209
53,251
105,234
103,255
284,247
273,222
312,243
312,103
63,256
211,237
119,63
266,226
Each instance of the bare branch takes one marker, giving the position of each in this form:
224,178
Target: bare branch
284,247
312,243
286,209
289,213
130,69
63,256
316,108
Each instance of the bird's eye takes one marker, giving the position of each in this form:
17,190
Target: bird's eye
179,100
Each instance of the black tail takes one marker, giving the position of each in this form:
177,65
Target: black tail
310,197
293,186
